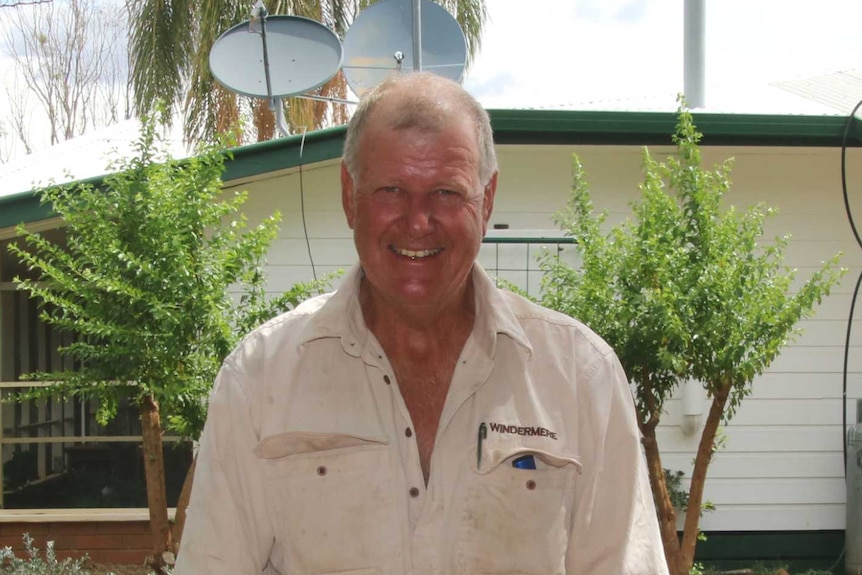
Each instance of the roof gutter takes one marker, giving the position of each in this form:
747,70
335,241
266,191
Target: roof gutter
560,127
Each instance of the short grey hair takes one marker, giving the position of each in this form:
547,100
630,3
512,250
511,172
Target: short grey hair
431,101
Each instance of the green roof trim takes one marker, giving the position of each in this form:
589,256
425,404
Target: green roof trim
23,208
583,128
526,127
657,128
285,153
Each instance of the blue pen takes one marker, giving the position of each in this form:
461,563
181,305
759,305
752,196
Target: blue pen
524,462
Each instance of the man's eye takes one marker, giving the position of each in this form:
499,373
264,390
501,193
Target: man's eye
389,193
448,194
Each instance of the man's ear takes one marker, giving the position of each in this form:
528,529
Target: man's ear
347,195
488,201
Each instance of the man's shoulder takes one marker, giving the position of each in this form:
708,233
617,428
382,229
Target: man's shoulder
284,331
538,321
293,319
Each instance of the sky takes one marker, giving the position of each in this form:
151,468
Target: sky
570,54
560,53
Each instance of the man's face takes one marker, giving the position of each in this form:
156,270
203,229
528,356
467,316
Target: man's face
418,210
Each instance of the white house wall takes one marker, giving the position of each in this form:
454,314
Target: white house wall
781,466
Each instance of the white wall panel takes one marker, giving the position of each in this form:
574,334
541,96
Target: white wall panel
781,467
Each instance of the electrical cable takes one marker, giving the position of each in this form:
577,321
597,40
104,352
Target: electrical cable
834,565
848,124
302,206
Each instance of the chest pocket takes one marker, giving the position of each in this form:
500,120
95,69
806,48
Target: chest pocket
333,502
515,520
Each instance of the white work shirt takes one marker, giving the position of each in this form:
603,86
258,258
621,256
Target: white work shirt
308,463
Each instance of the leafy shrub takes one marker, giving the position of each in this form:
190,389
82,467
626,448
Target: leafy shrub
34,564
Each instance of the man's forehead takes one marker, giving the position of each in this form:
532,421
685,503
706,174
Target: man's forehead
386,122
434,112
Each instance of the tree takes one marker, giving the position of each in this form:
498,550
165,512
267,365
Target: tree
5,143
170,45
70,61
14,3
685,290
145,285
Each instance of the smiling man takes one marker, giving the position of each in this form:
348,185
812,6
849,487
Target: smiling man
420,420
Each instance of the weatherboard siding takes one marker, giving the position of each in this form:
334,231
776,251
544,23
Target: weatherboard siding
781,467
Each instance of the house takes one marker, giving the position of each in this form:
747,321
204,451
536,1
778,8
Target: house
778,483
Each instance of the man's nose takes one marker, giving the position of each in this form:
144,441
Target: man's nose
420,214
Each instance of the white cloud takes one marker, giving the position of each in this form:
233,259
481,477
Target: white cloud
558,53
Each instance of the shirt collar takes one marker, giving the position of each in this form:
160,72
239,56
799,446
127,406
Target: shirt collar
341,315
494,314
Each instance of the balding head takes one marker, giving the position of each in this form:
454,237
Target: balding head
425,102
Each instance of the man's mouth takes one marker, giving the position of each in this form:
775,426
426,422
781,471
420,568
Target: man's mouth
416,254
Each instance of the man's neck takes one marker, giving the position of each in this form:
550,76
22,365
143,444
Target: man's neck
419,330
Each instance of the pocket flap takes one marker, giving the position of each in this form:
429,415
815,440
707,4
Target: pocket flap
493,457
295,442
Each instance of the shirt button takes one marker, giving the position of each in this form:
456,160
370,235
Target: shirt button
414,492
408,432
386,380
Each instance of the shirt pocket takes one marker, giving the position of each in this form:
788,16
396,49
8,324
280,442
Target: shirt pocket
515,520
333,505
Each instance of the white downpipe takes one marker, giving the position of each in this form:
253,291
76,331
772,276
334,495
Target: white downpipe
694,53
693,396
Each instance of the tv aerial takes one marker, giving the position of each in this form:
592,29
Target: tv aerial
275,57
398,36
280,56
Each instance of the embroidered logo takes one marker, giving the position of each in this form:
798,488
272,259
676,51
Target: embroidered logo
533,431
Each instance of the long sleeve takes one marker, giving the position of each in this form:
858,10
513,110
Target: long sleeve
615,529
228,530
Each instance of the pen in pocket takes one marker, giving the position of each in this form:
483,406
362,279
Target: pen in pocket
524,462
483,433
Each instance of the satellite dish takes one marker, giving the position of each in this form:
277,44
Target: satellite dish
380,42
301,54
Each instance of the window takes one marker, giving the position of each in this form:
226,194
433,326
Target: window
513,255
54,453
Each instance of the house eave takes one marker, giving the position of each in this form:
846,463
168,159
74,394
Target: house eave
554,127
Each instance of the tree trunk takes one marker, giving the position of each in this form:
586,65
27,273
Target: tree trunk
664,507
182,505
698,479
154,470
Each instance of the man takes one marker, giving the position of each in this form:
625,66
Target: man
419,420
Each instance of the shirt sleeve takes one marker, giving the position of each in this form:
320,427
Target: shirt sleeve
227,527
615,529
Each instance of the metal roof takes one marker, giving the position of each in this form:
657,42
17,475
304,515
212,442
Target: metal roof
83,157
839,91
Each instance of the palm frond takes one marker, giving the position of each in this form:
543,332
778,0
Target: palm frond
160,51
170,45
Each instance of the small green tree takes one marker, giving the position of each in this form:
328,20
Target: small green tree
685,289
145,285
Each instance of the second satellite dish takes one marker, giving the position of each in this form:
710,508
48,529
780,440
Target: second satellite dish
379,43
302,55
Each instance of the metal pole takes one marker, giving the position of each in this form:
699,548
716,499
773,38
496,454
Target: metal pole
266,59
417,35
274,102
694,53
